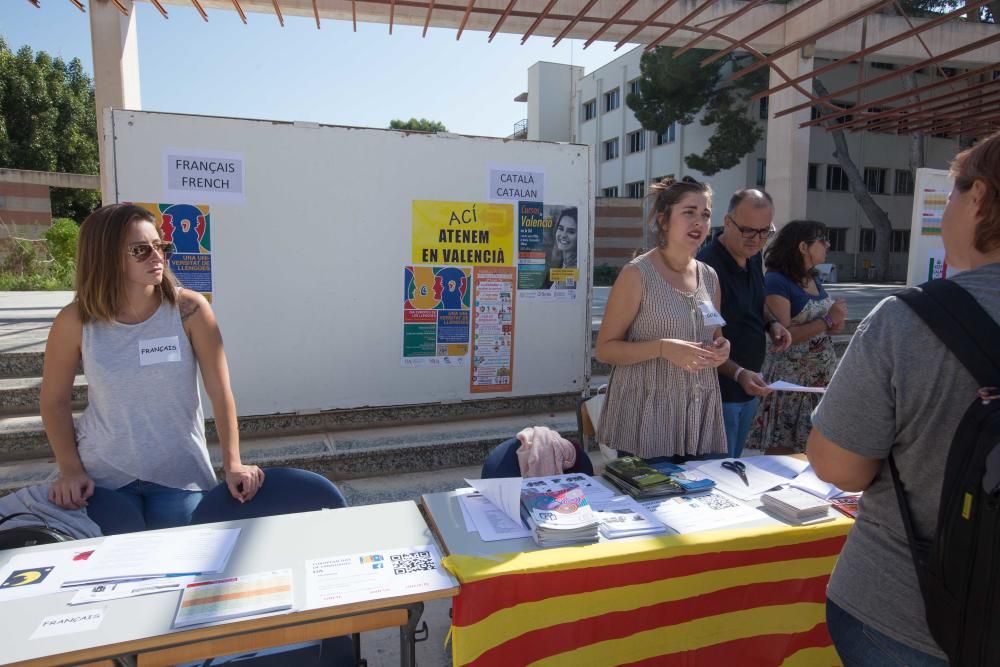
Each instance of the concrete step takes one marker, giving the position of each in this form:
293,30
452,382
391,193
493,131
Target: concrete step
23,436
21,395
354,454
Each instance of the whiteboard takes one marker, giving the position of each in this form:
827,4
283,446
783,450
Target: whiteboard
927,261
308,257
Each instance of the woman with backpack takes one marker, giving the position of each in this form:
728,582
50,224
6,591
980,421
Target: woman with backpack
901,392
142,340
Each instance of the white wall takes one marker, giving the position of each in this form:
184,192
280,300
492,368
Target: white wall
308,271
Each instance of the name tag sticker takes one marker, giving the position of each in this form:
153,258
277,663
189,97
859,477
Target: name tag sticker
710,314
159,351
64,624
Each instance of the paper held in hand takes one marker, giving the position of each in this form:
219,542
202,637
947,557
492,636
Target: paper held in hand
781,385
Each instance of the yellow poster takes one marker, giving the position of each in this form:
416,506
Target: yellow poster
463,233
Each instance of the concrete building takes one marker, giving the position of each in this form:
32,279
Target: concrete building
565,105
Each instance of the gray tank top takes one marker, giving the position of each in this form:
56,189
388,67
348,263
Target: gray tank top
143,419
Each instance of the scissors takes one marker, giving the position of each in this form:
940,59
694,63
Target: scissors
737,467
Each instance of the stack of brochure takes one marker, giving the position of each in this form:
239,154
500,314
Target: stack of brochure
637,478
796,506
622,516
559,517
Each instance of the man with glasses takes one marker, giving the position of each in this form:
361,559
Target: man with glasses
736,257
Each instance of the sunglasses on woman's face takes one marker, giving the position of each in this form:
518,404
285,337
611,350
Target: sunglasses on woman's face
142,251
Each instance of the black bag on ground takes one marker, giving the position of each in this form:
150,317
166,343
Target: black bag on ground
29,536
959,569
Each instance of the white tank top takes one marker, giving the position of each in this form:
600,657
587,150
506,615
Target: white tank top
143,418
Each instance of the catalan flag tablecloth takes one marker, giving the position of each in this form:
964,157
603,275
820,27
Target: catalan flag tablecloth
736,597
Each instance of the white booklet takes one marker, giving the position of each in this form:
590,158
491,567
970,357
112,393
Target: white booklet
757,480
781,385
211,601
149,555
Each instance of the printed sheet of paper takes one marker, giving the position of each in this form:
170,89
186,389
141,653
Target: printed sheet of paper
389,573
130,589
591,488
622,516
32,574
149,555
808,481
212,601
65,624
504,492
781,385
490,521
707,511
788,467
758,480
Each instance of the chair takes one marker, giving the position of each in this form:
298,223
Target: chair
285,491
502,461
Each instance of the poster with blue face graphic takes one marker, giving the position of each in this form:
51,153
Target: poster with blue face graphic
436,315
188,227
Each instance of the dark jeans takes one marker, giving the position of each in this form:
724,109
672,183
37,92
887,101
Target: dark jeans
860,645
141,506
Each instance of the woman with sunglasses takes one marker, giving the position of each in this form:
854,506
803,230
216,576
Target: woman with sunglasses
141,339
795,296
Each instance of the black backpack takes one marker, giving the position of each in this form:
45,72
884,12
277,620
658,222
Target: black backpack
959,569
29,536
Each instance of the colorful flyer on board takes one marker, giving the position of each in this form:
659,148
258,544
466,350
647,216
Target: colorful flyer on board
436,315
931,210
463,233
493,330
936,266
188,227
547,252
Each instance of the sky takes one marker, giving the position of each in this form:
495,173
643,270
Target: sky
331,75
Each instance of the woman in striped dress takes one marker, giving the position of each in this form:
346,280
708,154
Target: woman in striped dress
663,334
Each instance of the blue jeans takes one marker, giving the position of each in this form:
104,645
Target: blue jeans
860,645
141,506
737,418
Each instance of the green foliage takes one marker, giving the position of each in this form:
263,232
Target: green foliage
48,122
415,125
41,264
931,7
677,89
605,275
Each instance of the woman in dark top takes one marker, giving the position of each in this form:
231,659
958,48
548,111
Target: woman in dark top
795,295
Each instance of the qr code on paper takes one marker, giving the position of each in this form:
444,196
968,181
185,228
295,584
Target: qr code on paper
417,561
717,502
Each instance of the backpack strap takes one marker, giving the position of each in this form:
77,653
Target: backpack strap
960,322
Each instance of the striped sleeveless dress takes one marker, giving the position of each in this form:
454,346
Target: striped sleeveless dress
655,408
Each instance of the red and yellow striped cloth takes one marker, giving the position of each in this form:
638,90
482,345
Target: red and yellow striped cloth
737,597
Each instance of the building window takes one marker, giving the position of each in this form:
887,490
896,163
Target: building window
612,99
762,108
847,118
878,65
610,192
813,178
611,149
636,141
875,180
899,241
761,172
904,182
633,87
815,112
866,242
836,179
667,137
636,190
837,237
589,110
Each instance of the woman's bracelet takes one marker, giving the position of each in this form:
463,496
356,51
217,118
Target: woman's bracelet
828,320
736,378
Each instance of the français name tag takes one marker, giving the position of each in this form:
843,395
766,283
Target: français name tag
159,350
710,314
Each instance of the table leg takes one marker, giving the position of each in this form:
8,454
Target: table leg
407,638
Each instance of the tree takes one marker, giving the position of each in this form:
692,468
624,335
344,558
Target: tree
987,14
414,125
675,90
48,123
